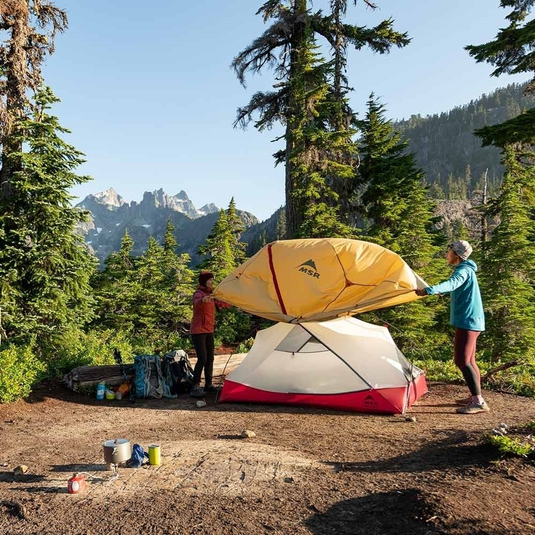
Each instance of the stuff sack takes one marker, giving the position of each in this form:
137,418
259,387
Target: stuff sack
138,457
148,378
177,371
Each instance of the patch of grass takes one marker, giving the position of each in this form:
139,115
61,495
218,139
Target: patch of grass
514,442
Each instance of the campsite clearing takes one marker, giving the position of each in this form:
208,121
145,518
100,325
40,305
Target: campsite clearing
307,471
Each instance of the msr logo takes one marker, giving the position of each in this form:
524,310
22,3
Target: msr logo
309,267
369,401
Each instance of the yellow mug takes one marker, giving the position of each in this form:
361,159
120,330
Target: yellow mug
154,454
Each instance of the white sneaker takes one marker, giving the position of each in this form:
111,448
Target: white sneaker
473,408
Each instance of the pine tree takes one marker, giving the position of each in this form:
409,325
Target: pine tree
313,145
400,217
21,56
218,249
509,255
148,297
115,289
511,52
237,227
175,310
150,279
280,229
44,265
287,46
509,265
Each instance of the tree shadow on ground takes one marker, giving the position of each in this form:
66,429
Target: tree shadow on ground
21,478
402,512
454,451
79,468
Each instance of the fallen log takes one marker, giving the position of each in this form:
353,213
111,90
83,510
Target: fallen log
92,375
111,374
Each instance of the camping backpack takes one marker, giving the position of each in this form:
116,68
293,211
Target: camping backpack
148,378
177,371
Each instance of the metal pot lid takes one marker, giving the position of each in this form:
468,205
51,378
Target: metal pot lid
116,442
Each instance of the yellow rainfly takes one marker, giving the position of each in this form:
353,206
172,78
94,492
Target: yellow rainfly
294,281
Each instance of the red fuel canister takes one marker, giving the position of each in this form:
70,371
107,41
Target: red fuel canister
76,484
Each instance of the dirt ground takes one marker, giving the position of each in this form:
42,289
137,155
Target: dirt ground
307,471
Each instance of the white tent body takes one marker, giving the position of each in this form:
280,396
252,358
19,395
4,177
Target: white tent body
344,363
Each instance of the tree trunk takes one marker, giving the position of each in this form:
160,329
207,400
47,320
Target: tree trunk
293,212
16,72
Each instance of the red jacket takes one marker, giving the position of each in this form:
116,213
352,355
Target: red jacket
204,313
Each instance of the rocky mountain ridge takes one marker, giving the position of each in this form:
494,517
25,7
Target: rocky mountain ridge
109,216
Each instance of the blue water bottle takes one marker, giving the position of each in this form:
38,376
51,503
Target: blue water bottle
101,389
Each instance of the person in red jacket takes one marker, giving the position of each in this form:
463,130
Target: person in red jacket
202,333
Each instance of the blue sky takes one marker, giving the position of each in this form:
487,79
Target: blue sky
150,97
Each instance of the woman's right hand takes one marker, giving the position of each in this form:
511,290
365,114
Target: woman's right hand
206,299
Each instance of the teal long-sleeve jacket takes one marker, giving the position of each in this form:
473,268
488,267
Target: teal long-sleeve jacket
466,307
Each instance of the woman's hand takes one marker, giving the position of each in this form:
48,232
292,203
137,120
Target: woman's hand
420,292
206,299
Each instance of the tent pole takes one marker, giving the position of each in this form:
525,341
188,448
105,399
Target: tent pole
349,366
343,360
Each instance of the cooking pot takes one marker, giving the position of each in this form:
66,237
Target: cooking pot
117,451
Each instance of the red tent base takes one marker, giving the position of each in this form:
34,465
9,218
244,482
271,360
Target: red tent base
383,401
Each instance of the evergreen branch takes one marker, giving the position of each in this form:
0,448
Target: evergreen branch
379,39
510,52
261,51
270,106
271,9
522,9
516,130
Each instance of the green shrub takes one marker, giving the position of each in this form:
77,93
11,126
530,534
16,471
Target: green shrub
232,327
75,348
518,380
438,370
511,446
151,342
20,369
245,346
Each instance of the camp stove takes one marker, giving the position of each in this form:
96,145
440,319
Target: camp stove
116,451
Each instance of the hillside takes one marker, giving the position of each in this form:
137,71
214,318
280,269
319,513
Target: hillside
447,149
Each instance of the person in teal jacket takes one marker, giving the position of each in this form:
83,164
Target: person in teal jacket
468,318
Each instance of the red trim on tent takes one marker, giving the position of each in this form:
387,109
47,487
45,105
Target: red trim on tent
275,282
382,400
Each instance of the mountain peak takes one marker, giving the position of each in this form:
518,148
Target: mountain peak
108,197
182,196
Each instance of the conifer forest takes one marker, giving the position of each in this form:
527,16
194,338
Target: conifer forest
365,177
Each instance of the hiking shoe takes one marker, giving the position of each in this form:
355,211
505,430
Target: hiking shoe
211,388
196,392
473,408
464,401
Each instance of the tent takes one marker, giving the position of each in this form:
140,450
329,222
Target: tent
304,280
343,364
